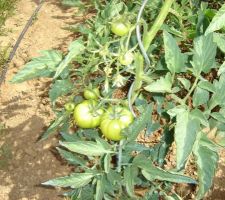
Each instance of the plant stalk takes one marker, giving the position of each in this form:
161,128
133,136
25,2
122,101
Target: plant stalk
150,35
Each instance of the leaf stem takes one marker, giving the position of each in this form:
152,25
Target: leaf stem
191,90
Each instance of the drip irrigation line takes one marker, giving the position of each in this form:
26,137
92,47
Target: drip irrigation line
143,51
21,36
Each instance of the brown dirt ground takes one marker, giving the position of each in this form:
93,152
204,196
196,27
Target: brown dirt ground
25,110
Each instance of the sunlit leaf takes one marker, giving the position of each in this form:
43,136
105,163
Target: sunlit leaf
174,57
218,21
75,180
88,148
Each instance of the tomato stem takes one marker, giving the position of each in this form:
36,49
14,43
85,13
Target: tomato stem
150,35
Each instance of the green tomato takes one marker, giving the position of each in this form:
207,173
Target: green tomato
126,58
86,115
91,93
114,120
120,27
69,107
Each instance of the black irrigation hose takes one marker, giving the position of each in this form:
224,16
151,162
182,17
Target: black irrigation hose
13,52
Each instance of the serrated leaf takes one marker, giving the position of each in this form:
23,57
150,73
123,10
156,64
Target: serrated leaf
221,69
87,148
75,48
200,97
42,66
176,110
204,54
173,56
139,124
185,82
71,158
130,173
219,39
59,88
75,180
217,22
197,114
185,134
151,172
218,97
206,163
100,188
218,116
61,118
162,85
206,85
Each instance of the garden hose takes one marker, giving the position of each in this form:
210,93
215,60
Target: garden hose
144,53
21,36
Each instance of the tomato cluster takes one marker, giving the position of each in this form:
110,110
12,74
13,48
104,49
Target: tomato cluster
89,114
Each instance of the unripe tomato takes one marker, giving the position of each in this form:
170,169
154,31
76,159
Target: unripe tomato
114,120
91,93
69,107
86,115
120,27
126,58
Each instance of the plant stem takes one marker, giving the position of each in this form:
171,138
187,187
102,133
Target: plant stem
191,90
149,36
120,156
147,39
139,62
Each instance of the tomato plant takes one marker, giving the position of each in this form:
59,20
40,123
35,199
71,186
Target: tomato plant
168,66
114,120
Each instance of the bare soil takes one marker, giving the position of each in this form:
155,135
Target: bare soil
25,111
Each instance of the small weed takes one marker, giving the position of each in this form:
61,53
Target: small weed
5,156
7,8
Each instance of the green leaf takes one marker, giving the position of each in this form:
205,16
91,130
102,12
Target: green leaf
200,97
139,124
218,97
185,82
61,118
42,66
204,54
219,39
185,134
71,158
198,114
150,172
221,69
207,163
162,85
218,116
59,88
87,148
173,56
107,162
176,110
206,85
75,48
217,22
100,188
75,180
130,173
